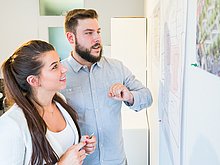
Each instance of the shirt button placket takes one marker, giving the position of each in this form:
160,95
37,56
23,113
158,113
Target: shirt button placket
95,103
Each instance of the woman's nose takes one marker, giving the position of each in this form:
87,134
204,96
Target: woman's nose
63,69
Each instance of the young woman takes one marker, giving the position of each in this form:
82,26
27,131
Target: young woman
40,128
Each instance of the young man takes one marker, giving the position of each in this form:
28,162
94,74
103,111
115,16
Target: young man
96,87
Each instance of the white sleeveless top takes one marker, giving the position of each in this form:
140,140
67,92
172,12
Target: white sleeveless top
65,138
61,141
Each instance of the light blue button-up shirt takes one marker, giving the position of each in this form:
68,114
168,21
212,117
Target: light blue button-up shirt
87,92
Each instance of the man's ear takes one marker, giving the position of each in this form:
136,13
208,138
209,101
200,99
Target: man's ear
33,80
71,37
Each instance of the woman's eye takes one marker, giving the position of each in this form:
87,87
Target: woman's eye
55,66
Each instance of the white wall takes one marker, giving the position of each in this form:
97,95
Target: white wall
20,20
125,32
18,24
114,8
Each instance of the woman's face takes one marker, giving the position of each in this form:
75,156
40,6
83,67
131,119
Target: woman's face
53,73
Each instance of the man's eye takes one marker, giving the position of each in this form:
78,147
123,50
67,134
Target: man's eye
88,33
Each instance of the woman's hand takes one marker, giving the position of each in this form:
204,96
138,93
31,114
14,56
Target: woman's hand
74,155
90,144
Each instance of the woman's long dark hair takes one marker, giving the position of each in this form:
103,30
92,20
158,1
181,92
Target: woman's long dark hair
26,61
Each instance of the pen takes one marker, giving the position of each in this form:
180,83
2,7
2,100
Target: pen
91,135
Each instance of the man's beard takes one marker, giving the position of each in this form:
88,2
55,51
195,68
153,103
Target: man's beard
86,53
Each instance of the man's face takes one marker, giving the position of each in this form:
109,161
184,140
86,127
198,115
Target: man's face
88,40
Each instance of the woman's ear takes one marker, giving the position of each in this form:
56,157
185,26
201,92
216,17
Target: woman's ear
33,80
71,37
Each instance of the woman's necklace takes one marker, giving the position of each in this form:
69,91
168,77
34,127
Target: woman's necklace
51,111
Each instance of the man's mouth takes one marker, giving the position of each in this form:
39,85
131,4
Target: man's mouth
96,46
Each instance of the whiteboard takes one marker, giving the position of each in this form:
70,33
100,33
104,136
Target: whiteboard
188,134
172,60
167,56
201,124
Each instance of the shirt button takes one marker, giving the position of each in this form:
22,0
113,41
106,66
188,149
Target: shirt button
96,110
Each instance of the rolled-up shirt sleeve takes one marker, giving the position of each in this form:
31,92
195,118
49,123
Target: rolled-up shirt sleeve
142,95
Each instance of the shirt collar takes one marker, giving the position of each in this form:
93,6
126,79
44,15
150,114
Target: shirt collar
74,64
77,66
100,63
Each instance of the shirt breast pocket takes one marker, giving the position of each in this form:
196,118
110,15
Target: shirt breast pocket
74,97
